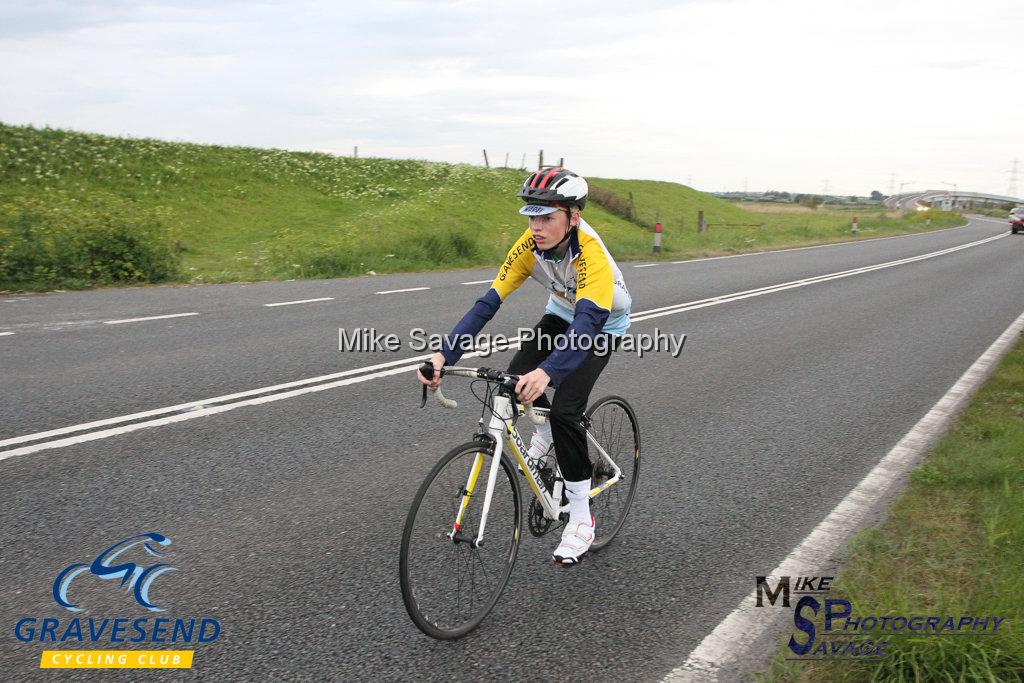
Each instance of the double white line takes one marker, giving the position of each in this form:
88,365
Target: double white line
771,289
102,429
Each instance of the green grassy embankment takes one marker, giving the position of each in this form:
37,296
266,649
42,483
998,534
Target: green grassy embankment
738,228
80,209
952,545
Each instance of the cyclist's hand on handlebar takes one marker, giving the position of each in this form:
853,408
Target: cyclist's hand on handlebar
532,385
437,360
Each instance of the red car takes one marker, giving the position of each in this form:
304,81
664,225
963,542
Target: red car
1017,224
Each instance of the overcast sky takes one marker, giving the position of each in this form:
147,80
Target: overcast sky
720,94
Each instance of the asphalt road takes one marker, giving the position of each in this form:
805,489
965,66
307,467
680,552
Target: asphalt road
285,516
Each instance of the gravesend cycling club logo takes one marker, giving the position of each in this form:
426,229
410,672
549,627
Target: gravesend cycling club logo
131,565
138,579
827,627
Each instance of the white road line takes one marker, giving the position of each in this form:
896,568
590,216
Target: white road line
5,334
992,220
202,402
646,265
731,640
404,365
771,289
301,301
151,317
198,408
821,246
396,291
478,282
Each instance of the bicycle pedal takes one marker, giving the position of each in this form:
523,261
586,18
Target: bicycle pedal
570,565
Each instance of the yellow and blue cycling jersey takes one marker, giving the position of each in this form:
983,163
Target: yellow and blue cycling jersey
585,286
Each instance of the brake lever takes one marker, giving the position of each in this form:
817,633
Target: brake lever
427,370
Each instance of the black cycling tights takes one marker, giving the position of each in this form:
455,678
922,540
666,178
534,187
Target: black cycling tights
571,395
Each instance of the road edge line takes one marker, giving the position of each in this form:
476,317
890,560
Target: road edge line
730,641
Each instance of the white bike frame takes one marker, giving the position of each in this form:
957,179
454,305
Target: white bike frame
501,429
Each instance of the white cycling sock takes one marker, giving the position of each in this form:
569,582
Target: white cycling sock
540,442
579,501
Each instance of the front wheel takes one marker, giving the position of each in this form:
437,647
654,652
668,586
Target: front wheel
449,584
613,424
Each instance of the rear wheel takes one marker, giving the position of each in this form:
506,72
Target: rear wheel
613,424
448,583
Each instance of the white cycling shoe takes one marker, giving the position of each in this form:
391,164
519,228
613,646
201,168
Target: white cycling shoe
577,537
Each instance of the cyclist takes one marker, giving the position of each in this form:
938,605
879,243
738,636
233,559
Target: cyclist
586,314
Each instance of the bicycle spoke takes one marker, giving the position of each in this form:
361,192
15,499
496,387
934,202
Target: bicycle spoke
447,580
614,429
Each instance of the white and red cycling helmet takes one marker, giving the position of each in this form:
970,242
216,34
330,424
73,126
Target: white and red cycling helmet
553,185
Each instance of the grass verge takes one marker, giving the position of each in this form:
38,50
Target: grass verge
952,545
171,211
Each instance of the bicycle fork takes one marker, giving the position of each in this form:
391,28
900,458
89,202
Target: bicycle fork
501,411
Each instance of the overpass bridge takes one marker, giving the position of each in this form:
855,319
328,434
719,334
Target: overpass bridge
947,200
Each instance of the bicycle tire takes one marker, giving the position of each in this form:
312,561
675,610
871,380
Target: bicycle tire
426,544
614,425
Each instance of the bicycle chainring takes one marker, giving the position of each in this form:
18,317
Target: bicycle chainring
536,521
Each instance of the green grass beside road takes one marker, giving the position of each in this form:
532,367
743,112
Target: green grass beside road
79,209
953,544
733,229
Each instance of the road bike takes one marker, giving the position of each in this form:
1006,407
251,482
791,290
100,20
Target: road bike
458,547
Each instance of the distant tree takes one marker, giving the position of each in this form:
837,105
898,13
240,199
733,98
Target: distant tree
784,195
853,198
811,200
876,195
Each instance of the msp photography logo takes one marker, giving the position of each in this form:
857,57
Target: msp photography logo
828,629
127,564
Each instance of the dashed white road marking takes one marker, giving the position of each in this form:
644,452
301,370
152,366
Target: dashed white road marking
398,291
150,317
646,265
730,642
478,282
301,301
202,407
5,334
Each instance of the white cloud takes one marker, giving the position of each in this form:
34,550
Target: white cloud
783,94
